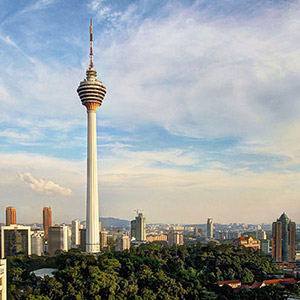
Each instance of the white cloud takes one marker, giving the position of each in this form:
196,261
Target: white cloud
199,75
43,186
37,5
128,180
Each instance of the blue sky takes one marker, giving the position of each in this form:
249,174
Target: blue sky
201,117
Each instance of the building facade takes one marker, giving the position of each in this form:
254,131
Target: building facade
210,228
37,243
133,229
103,239
15,239
47,220
75,234
139,225
11,216
138,228
198,231
122,242
58,239
283,239
82,239
175,238
3,280
248,242
261,234
265,246
156,237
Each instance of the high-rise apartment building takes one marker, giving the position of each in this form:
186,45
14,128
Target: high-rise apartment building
265,246
103,239
198,231
11,217
3,275
138,228
261,234
283,239
92,92
133,228
175,238
210,228
15,239
75,233
122,242
82,239
58,239
47,220
37,243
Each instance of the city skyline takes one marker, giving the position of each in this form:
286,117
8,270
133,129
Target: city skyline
201,119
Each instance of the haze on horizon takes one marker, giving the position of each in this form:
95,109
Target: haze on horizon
201,117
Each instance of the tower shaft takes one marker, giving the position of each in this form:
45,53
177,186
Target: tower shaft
92,92
92,213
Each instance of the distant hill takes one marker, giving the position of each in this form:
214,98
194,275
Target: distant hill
115,222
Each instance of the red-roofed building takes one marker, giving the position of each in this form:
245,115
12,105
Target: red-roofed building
282,281
232,283
257,284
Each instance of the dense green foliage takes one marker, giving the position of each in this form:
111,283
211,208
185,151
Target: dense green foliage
149,272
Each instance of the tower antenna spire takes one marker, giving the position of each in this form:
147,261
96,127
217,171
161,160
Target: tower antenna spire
91,44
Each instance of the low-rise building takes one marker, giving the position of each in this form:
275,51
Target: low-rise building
288,266
248,242
156,237
232,283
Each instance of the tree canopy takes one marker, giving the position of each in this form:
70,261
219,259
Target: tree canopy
148,272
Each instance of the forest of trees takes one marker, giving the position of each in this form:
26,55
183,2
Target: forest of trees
148,272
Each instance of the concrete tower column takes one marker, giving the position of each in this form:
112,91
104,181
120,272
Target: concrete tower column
92,213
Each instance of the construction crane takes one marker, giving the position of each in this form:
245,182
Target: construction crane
138,210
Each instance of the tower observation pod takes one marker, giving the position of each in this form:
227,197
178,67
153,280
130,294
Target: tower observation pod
92,92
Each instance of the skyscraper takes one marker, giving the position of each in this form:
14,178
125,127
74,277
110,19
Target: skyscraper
210,228
138,227
75,233
92,92
47,220
11,217
133,229
283,239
